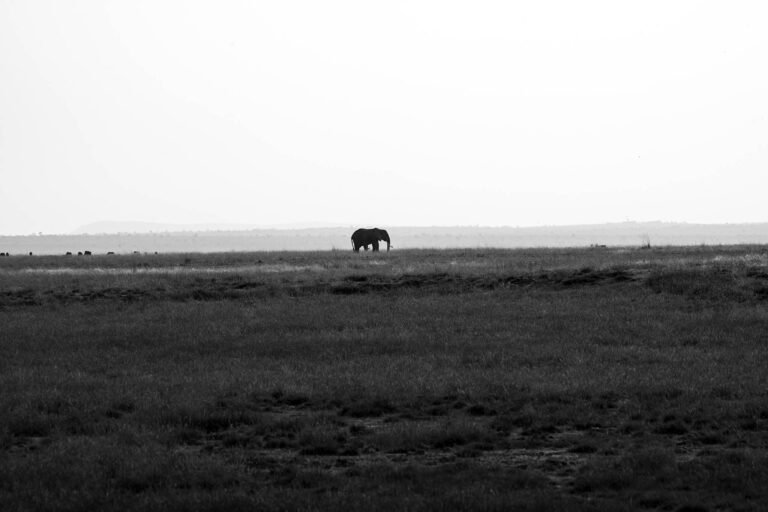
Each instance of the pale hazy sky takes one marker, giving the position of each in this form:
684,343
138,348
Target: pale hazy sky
388,113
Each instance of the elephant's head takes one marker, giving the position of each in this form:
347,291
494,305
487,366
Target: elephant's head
383,236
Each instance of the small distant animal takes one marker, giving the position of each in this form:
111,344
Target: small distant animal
30,253
110,252
79,253
136,252
69,253
3,254
87,253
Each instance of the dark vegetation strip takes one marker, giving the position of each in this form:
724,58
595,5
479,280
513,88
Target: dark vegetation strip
749,284
237,287
451,282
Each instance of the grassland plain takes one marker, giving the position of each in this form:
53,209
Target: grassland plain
568,379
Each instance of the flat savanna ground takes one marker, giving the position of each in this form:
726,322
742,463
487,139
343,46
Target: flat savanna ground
581,379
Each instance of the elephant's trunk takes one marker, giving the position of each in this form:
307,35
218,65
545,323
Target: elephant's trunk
385,237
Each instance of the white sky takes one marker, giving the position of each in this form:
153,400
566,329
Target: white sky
388,113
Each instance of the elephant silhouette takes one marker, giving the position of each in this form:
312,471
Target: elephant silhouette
365,237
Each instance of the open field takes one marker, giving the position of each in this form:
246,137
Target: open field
546,379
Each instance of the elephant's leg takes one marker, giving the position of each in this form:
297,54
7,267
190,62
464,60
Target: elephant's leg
375,245
365,247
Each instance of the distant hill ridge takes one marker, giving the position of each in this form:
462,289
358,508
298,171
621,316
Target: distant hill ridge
628,227
114,227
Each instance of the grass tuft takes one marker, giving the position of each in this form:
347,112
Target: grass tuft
368,408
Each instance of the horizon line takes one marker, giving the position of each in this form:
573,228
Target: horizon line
169,228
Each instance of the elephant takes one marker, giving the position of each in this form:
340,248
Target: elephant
365,237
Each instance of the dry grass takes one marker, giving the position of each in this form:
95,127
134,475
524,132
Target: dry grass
534,379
